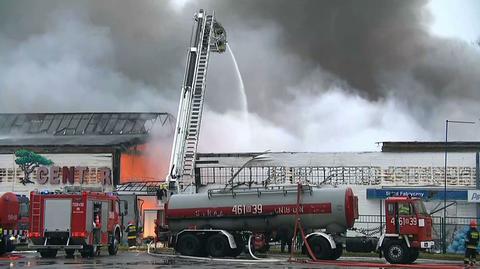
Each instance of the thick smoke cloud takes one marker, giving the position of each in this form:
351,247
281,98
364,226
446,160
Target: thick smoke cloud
378,48
319,75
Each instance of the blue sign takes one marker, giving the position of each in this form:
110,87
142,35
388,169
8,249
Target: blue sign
425,194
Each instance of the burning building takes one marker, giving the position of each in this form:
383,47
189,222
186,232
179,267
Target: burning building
99,151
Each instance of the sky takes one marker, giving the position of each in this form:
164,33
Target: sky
317,75
456,19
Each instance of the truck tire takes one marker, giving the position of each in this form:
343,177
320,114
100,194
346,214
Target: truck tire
396,252
413,255
69,253
217,246
9,244
48,253
87,251
188,245
113,246
320,248
240,246
337,252
3,245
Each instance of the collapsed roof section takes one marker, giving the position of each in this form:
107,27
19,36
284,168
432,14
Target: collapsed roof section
79,129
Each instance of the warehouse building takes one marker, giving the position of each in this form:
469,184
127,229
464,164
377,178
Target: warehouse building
96,151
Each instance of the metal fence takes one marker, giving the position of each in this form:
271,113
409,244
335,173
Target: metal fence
372,225
338,175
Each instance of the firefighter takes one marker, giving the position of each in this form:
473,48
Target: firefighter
97,226
285,234
403,209
131,234
471,243
286,242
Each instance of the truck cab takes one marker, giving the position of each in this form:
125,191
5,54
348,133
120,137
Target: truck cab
408,229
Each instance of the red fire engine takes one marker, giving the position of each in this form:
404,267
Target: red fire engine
408,229
84,221
9,209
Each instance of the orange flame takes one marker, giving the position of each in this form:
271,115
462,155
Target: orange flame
146,162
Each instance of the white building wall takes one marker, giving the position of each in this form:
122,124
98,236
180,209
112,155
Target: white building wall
10,173
359,170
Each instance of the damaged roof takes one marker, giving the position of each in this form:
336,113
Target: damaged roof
84,129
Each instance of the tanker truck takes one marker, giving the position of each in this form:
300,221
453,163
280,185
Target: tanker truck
9,211
214,223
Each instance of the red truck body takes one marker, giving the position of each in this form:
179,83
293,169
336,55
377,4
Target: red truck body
414,221
83,221
9,209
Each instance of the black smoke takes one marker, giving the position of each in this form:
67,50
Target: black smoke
130,55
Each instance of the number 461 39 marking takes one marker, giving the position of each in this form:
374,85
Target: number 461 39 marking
247,209
405,221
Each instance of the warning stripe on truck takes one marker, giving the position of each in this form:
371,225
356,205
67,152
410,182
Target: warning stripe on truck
249,210
15,232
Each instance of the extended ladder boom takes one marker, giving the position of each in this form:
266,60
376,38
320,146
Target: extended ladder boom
207,36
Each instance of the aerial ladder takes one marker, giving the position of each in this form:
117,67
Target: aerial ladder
207,36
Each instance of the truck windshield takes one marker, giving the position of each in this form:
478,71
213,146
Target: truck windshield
420,208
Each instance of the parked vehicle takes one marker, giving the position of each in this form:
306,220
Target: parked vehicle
9,212
83,221
212,223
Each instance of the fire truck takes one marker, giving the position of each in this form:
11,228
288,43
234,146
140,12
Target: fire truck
83,221
9,215
408,230
213,223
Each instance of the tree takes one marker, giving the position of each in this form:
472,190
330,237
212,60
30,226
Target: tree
28,161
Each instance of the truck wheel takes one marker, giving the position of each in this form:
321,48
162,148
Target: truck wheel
320,248
240,246
217,246
69,253
97,251
9,244
87,251
396,252
188,245
337,252
113,247
48,253
3,246
413,255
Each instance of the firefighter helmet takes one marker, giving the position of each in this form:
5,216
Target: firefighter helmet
473,223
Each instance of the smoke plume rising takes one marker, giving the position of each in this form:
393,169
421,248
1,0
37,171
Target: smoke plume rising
319,75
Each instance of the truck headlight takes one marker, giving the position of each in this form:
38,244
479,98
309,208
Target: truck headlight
12,238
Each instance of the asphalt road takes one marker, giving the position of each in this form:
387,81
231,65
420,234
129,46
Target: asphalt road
141,260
